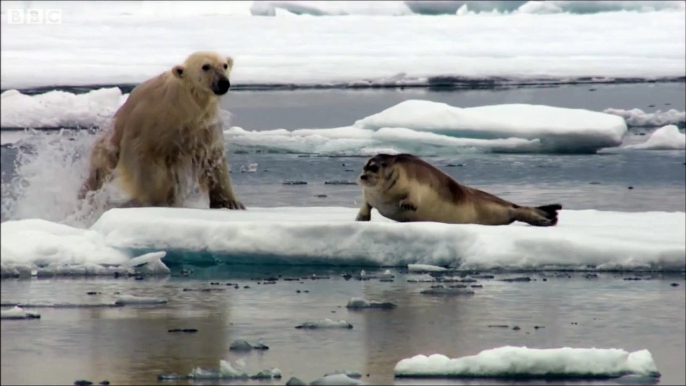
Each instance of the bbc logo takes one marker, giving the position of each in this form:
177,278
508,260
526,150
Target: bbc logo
34,16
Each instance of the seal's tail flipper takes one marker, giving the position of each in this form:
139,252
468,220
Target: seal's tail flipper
544,216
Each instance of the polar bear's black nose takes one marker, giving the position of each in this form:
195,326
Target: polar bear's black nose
222,87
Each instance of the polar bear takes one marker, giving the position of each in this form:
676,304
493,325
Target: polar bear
166,135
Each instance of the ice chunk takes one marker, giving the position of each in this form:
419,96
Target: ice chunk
18,313
425,268
557,129
149,263
664,138
583,239
240,345
226,371
326,323
523,362
446,291
356,303
139,300
351,374
638,118
267,374
337,379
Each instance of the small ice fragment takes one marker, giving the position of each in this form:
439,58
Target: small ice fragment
356,303
18,313
268,374
240,345
337,379
425,268
171,377
351,374
293,381
139,300
326,323
446,291
517,279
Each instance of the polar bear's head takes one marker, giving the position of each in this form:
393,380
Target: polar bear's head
206,71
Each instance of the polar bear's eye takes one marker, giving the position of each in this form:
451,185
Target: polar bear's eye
206,67
226,66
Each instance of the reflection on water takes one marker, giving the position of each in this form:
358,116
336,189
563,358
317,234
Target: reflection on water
131,345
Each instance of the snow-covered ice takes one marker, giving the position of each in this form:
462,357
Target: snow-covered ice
583,239
101,45
226,371
425,268
665,138
639,118
523,362
57,109
325,323
358,303
18,313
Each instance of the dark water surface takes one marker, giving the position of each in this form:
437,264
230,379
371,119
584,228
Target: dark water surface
131,345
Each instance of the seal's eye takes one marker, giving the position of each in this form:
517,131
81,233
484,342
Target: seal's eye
373,168
206,67
383,164
226,66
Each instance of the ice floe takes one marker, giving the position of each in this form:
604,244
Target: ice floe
57,109
583,240
523,362
638,118
665,138
336,379
358,303
425,268
18,313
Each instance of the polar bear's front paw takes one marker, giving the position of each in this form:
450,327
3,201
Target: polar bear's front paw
234,205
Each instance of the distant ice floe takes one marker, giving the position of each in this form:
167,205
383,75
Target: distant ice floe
360,49
582,240
336,379
358,303
664,138
523,362
425,268
638,118
18,313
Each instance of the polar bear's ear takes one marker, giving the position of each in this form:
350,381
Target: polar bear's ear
178,71
229,61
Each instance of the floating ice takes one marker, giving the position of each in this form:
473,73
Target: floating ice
557,129
638,118
139,300
359,50
446,291
226,371
325,323
357,303
18,313
336,379
150,264
63,305
425,268
267,374
57,109
664,138
351,374
586,239
522,362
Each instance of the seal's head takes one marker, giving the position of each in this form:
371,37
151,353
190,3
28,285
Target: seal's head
376,170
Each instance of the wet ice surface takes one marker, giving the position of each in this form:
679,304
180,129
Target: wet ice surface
132,344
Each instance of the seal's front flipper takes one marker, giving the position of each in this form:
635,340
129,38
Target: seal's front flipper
542,216
365,213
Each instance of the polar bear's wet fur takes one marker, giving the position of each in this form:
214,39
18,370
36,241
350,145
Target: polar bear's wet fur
167,132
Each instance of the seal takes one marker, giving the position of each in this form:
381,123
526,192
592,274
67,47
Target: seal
405,188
